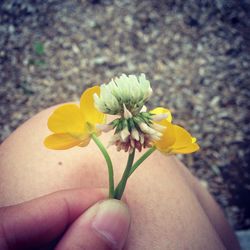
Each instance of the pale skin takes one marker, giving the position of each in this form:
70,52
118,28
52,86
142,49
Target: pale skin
169,208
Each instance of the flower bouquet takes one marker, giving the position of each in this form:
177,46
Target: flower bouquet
135,128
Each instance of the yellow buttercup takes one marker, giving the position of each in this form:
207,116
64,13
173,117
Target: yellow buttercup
72,125
174,139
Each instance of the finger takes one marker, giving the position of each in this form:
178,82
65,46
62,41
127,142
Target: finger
40,221
103,226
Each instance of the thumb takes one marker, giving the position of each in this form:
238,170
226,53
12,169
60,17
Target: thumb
105,225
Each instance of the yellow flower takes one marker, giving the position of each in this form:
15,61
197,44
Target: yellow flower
73,125
174,139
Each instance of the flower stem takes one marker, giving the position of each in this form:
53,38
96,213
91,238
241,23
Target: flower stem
122,184
109,164
142,159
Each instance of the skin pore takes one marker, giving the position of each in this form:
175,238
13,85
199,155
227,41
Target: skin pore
169,209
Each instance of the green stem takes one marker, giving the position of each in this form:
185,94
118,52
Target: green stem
109,164
122,184
142,159
136,165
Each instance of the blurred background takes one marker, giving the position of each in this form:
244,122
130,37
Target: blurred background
196,54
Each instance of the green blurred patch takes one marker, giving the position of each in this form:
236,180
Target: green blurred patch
39,48
38,58
36,62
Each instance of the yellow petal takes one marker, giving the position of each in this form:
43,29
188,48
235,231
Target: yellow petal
190,148
67,119
182,136
167,138
88,109
61,141
184,143
160,110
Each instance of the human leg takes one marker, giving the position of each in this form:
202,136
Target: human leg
169,208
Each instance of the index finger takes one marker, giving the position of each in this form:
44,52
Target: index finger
38,222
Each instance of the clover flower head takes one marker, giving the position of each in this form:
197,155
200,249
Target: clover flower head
126,96
130,91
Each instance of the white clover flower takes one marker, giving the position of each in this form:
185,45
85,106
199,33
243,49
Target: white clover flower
126,96
125,90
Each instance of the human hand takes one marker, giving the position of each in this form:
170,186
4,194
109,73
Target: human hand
71,219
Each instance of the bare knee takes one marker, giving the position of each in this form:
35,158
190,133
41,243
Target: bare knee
161,193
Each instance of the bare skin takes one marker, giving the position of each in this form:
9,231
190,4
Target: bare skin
169,209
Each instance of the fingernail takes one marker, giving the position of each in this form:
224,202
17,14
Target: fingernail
112,222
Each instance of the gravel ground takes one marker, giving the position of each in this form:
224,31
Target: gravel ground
195,53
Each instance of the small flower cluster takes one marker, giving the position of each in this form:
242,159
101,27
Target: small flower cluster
134,129
126,96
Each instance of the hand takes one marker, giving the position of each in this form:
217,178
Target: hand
72,219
